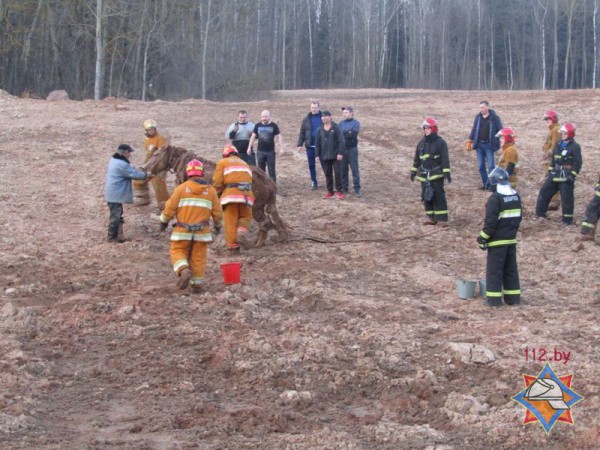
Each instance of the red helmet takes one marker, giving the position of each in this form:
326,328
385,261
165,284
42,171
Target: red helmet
552,115
506,132
229,150
194,168
569,129
430,122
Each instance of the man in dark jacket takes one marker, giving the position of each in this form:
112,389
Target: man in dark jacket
499,238
308,136
592,213
565,166
329,151
430,166
483,139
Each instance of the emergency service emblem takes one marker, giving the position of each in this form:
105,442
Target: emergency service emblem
548,398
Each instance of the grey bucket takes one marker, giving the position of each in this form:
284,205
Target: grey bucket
465,288
482,287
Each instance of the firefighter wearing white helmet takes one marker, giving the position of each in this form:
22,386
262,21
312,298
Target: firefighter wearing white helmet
153,142
431,166
509,158
565,166
503,214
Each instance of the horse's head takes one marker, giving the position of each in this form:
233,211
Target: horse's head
159,161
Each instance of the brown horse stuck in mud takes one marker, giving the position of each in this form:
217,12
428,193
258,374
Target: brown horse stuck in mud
264,209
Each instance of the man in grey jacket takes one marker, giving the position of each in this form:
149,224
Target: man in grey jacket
118,189
329,151
239,134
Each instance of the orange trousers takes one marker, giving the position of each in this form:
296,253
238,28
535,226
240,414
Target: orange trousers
190,254
237,218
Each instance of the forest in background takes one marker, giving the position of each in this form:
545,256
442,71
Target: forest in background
240,50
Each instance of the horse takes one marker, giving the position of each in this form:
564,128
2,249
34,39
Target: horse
264,210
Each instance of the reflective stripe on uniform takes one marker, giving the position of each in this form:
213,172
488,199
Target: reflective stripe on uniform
200,202
179,264
181,236
493,294
164,219
588,225
512,292
231,169
431,178
509,213
567,215
502,242
559,180
441,212
484,235
195,281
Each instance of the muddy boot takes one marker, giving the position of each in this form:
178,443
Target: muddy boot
429,221
184,278
196,288
495,302
585,237
243,240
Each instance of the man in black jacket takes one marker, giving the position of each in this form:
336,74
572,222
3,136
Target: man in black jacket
499,238
483,139
308,136
329,151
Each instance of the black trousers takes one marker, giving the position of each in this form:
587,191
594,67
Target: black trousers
115,219
267,160
502,275
436,208
333,174
242,147
592,213
567,197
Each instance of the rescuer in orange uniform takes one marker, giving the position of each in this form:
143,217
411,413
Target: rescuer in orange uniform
233,181
509,158
194,202
153,142
552,140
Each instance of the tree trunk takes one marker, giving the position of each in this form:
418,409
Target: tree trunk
205,48
99,81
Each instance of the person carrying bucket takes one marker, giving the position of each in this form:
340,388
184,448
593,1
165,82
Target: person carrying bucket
194,202
232,180
499,238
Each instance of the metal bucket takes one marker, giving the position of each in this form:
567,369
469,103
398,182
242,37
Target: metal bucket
465,288
482,287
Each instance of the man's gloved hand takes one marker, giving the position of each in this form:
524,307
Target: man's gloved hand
469,145
217,230
482,242
413,175
571,177
448,177
163,226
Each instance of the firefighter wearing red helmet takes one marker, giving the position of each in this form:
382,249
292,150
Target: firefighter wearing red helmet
509,158
194,203
233,182
431,165
552,140
565,166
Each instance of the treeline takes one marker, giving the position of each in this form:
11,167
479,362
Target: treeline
241,49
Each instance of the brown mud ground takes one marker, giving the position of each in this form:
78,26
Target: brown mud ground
347,343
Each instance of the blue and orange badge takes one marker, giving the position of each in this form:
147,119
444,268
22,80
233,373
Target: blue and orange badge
548,398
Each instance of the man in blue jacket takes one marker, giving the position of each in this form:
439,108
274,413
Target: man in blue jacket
483,139
118,189
350,129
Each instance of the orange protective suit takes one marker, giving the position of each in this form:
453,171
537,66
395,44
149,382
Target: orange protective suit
159,182
194,203
233,180
510,155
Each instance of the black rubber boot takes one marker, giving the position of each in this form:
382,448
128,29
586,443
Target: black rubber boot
495,302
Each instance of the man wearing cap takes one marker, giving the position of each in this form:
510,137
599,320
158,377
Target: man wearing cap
308,136
483,139
350,129
118,189
239,133
329,152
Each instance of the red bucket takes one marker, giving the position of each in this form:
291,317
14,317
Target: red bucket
231,272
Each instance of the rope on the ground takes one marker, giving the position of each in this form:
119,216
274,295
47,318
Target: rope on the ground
356,241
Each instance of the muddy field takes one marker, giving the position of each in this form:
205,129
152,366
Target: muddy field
350,336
